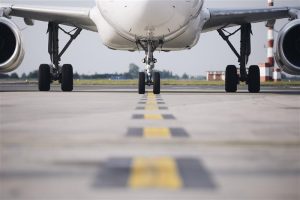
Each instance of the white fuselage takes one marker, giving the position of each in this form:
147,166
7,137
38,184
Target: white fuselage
121,23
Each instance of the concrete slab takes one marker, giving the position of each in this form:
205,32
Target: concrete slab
56,145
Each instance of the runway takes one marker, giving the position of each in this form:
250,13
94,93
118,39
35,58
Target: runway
24,87
108,142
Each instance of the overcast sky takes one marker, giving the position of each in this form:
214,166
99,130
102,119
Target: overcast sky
88,55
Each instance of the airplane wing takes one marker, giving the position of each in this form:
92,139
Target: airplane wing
226,18
71,16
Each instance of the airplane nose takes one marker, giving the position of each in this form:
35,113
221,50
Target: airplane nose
147,18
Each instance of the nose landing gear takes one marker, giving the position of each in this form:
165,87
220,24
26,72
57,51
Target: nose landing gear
149,76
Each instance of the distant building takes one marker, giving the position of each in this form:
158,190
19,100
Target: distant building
218,75
215,76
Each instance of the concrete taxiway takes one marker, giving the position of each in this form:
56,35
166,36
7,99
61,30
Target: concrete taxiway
104,142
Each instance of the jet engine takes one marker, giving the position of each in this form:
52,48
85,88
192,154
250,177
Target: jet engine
11,46
288,48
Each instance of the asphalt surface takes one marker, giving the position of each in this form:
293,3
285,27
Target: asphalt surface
107,142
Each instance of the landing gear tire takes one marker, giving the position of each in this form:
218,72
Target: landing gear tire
44,77
142,82
231,79
67,78
156,83
254,79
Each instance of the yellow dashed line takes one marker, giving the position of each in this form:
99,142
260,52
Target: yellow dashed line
151,103
151,94
151,107
154,173
151,98
153,116
157,133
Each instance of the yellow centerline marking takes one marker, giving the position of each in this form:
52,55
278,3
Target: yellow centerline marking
153,116
151,100
154,173
151,104
151,107
151,94
157,133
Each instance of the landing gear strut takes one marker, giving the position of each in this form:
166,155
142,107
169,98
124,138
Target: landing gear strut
54,71
253,77
149,77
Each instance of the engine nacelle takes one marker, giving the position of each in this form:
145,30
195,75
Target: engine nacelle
11,46
288,48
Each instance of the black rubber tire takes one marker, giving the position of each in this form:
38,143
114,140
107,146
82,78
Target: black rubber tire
156,83
142,83
231,79
254,79
67,78
44,77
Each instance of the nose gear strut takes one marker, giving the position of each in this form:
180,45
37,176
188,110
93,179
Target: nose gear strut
150,77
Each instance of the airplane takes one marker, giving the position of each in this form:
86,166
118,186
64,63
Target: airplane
149,26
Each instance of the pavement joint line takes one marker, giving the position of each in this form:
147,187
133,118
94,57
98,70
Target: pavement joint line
187,142
151,103
154,99
162,172
154,116
144,108
157,132
142,102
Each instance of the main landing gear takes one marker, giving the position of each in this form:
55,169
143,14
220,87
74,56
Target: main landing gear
56,72
232,78
149,76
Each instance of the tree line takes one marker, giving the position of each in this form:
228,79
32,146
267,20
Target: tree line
132,73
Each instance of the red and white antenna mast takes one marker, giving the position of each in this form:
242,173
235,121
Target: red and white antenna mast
275,72
270,46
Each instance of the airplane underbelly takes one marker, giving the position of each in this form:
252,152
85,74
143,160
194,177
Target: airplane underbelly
130,20
148,18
